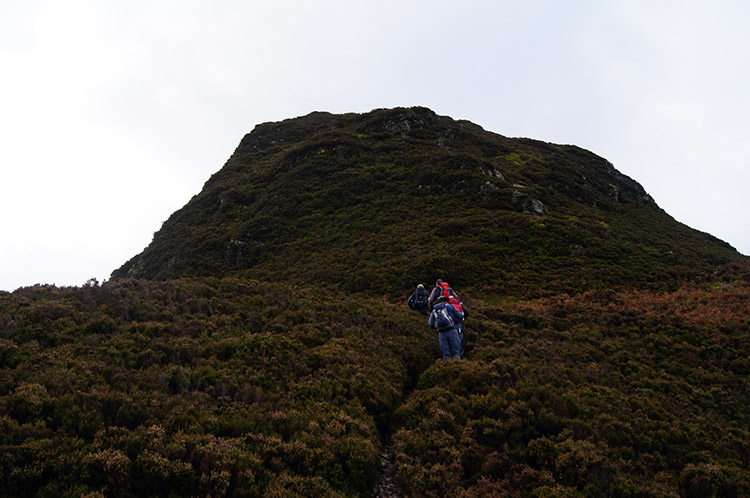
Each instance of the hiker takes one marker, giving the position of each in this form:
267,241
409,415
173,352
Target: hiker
460,327
418,300
445,318
441,289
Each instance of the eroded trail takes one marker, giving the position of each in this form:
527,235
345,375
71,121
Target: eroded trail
386,487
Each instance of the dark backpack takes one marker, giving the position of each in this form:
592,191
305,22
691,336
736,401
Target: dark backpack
443,319
418,300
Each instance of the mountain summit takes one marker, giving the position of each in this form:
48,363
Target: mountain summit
379,201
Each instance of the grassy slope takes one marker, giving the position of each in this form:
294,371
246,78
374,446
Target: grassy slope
356,202
607,345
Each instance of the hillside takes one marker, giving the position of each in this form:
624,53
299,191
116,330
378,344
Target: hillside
198,388
225,387
379,201
261,346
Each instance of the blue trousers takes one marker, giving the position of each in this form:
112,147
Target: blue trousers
450,343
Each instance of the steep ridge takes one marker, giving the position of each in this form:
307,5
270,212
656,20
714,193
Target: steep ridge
260,346
378,201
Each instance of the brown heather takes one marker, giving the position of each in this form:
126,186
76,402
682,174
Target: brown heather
261,345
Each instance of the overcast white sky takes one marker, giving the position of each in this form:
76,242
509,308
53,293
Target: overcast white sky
113,114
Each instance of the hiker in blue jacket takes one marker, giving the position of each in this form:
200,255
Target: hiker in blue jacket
445,317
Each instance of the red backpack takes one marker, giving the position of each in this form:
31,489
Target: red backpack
455,302
447,291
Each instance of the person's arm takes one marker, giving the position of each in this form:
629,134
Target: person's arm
433,296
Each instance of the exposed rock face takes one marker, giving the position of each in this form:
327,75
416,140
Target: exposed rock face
403,123
534,206
491,187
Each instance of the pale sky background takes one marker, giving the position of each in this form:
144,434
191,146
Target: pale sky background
114,113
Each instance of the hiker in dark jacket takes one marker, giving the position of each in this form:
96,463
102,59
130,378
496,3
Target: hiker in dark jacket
441,289
436,293
418,300
445,317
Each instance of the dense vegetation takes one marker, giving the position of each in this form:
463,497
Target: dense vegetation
603,394
261,345
379,201
219,387
199,388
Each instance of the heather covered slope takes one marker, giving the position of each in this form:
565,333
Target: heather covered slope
607,347
378,201
605,394
225,387
199,388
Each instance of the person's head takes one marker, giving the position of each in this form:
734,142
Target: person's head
420,286
443,299
438,283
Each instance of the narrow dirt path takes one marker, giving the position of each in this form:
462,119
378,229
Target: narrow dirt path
386,486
